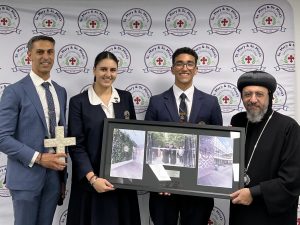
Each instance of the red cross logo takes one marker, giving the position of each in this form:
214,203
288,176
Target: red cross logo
298,221
49,22
291,58
136,24
224,22
180,23
72,61
27,60
248,59
159,61
137,100
225,99
4,21
210,222
269,20
93,24
203,60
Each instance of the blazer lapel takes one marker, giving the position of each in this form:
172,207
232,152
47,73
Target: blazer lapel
195,110
34,97
171,105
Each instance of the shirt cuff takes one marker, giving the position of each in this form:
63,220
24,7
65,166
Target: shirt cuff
35,155
255,191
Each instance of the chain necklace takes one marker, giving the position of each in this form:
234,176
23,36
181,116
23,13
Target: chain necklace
246,176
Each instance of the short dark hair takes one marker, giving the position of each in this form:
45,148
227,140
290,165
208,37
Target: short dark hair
105,55
39,38
184,50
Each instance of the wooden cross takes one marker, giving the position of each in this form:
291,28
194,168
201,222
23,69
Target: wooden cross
60,142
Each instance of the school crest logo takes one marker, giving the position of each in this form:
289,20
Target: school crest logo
123,56
208,58
158,59
141,96
48,21
279,98
72,59
2,87
228,97
268,19
180,21
4,192
9,20
92,22
21,60
285,57
224,20
217,217
136,22
248,57
63,218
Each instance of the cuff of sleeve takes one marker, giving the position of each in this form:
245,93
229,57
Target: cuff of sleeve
255,191
35,155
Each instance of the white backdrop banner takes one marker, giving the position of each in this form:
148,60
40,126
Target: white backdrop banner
231,38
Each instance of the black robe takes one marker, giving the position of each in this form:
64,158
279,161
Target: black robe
86,206
274,168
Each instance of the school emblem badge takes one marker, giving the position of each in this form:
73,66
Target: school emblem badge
21,60
224,20
92,22
279,98
136,22
285,57
208,58
72,59
180,21
48,21
217,217
268,19
248,57
228,97
9,20
158,59
123,56
141,96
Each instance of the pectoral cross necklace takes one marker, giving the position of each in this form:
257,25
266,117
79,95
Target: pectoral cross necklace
246,176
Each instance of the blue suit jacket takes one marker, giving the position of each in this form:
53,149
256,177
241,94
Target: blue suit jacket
23,129
205,108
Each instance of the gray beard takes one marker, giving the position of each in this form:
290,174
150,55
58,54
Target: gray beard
254,117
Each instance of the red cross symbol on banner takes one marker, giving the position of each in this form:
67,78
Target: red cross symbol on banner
298,221
136,24
291,58
93,24
225,99
159,61
137,100
180,23
4,21
72,61
203,60
269,20
27,60
224,21
49,22
248,59
210,222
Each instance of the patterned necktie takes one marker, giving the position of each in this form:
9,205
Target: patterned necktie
51,109
183,108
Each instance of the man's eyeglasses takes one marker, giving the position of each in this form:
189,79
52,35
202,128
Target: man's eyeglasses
180,65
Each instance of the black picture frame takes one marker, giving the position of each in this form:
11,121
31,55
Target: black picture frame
180,158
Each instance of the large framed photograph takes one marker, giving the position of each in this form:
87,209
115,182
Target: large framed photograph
179,158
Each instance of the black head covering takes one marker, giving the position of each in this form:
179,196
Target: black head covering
257,78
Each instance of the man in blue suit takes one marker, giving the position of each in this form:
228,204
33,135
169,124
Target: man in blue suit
35,176
194,107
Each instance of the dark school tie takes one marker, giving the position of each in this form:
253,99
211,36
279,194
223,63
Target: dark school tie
51,109
183,108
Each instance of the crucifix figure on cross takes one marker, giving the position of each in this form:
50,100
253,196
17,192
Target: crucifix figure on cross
59,142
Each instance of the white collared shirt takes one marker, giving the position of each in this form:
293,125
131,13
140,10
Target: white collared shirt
189,98
108,109
37,81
